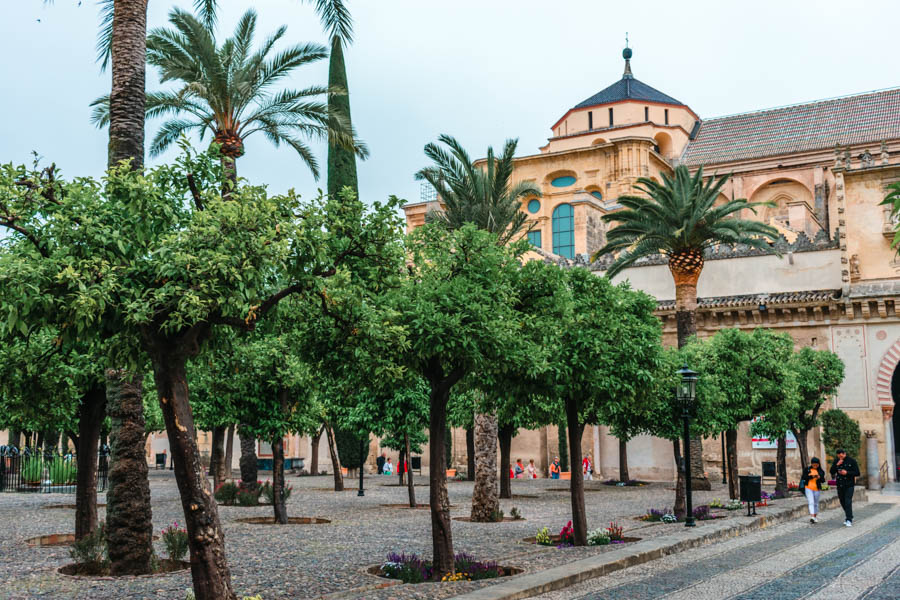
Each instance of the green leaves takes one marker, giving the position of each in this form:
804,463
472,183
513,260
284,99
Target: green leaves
679,215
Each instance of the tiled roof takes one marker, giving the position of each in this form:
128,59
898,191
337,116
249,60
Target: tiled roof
755,300
628,88
858,119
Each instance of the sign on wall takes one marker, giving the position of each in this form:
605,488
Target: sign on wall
764,443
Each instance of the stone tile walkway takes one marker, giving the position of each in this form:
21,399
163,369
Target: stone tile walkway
795,560
313,561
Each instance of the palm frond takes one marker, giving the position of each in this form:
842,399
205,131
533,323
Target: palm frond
336,19
104,36
206,10
100,112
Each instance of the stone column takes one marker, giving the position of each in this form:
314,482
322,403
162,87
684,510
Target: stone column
890,442
598,473
873,475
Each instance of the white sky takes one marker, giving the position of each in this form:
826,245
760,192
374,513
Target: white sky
481,71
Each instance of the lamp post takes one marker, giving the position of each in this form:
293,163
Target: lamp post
686,394
362,461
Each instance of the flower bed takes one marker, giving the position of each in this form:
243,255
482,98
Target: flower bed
665,515
231,494
566,537
410,568
629,483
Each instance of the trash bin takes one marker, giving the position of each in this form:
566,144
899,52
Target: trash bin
751,491
751,488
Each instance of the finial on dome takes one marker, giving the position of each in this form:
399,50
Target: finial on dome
626,54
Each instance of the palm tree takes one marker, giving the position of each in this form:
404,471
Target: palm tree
226,90
483,195
679,219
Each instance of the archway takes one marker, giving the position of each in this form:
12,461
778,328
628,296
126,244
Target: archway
887,389
663,143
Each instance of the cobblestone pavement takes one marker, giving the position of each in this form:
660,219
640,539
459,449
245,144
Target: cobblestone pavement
311,561
794,560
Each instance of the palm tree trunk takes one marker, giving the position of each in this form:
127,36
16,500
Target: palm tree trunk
686,323
485,502
623,460
127,97
248,462
129,522
229,172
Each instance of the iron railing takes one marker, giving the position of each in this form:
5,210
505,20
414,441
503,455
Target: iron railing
35,470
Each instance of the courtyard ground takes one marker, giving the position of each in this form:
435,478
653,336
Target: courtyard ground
330,560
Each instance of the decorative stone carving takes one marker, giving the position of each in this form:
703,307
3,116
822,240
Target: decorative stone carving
884,153
847,163
838,163
854,268
867,160
887,412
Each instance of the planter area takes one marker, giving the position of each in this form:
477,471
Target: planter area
557,540
504,520
54,539
67,506
419,505
92,570
410,568
291,521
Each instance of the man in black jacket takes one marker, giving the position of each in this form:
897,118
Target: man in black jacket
845,471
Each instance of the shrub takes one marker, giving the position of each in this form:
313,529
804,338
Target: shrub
669,518
226,493
176,541
598,537
543,537
247,497
566,536
32,469
716,503
515,514
497,515
62,471
840,431
91,548
734,504
268,492
614,531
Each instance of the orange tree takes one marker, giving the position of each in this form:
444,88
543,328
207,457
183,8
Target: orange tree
153,262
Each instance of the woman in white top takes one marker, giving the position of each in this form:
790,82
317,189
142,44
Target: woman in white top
532,472
388,467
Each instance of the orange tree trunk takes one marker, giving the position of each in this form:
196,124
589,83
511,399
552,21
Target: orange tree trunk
576,481
90,418
441,537
209,568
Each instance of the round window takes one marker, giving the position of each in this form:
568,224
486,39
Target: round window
534,205
564,181
597,195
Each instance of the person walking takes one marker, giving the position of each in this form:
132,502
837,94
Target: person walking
586,467
845,470
811,482
554,468
531,470
388,467
520,469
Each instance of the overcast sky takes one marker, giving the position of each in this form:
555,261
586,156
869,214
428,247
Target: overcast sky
482,71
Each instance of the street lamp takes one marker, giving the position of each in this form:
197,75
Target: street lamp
686,394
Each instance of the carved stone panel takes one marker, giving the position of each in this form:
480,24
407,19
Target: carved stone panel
849,344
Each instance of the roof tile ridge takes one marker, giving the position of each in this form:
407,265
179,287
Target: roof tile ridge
798,104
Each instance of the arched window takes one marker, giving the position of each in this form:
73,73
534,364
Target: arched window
564,230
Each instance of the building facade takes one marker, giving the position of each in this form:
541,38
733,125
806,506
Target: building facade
824,166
